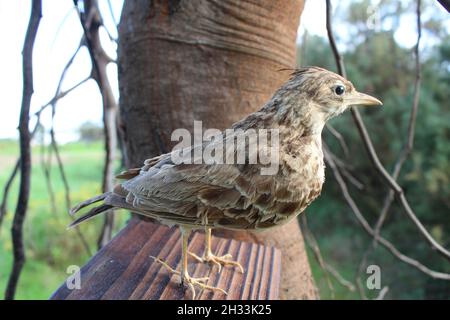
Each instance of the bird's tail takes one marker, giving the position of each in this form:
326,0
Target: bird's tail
93,212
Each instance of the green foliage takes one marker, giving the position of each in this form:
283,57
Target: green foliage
378,65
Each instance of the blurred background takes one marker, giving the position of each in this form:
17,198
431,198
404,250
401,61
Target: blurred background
377,40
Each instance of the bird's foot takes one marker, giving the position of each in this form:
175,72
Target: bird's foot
199,282
219,261
189,281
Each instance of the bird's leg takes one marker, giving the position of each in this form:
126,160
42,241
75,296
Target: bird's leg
186,279
209,257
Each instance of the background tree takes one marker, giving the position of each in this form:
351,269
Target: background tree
90,132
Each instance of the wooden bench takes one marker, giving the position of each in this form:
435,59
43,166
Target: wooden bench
123,269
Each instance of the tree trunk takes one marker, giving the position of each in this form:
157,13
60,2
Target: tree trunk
214,61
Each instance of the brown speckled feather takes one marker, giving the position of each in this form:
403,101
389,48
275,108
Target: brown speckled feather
237,196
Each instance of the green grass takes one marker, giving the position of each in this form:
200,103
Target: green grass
50,248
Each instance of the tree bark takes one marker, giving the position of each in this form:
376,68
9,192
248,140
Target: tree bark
214,61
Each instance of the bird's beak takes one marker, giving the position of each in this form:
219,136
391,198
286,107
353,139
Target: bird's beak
358,98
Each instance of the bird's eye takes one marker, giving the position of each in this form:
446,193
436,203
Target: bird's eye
339,90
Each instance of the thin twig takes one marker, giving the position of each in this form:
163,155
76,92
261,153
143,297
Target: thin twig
366,226
344,282
46,167
409,143
329,26
339,138
25,151
91,21
7,188
54,147
368,145
4,204
53,144
327,268
61,95
37,114
345,172
312,243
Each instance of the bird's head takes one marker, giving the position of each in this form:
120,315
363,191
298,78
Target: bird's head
318,95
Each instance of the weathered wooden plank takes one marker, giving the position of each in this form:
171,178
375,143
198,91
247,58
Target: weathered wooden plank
123,269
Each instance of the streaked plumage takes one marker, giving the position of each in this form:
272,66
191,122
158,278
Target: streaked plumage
237,196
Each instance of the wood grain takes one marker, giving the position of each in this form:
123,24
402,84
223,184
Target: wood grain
123,269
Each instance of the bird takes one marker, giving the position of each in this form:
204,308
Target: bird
234,195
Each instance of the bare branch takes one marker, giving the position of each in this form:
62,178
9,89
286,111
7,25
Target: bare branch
366,226
25,151
46,167
408,146
339,137
61,95
91,21
344,282
327,269
337,56
345,172
312,243
4,204
54,147
7,188
8,184
368,145
380,169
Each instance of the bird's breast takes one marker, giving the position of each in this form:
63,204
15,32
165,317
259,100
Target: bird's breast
303,166
302,158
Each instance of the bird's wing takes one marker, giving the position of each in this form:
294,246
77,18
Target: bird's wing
148,164
224,195
185,191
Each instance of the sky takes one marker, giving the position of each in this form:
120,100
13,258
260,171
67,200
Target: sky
57,39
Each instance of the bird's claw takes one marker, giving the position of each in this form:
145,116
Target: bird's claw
219,261
193,282
189,281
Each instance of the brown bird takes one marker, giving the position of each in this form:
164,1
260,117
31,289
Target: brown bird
237,195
